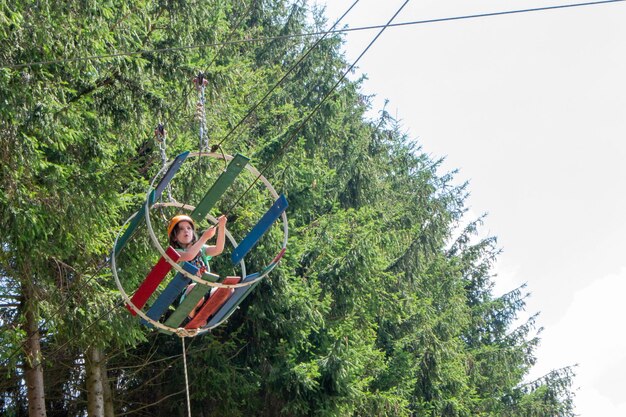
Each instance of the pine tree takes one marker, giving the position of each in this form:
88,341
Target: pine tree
381,306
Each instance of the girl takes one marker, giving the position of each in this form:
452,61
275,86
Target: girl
182,237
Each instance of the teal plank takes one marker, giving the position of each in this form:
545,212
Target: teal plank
132,225
171,171
154,196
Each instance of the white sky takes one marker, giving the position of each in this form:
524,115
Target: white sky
532,109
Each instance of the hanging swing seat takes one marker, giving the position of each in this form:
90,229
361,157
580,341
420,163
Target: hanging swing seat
223,301
230,291
213,304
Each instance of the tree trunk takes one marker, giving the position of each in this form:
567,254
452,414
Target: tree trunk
95,390
33,359
109,410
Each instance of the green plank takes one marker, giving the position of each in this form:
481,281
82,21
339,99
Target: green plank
209,276
220,186
188,304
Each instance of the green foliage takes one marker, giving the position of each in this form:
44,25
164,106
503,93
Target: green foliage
383,303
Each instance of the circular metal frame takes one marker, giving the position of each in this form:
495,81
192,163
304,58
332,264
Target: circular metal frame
262,274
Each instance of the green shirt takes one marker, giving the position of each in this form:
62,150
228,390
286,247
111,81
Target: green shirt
201,259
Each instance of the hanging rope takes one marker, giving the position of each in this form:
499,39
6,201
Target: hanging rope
222,45
182,338
200,83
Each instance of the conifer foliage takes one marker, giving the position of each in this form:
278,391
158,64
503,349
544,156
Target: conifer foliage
383,304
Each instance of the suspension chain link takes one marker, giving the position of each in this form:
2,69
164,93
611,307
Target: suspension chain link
160,135
201,83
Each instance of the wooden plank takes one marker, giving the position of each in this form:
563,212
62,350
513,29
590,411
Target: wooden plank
259,229
217,299
173,290
231,304
154,196
220,186
132,225
189,303
152,280
211,277
171,171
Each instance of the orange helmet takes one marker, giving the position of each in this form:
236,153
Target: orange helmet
177,219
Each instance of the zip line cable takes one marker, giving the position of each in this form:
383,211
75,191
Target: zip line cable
337,31
283,148
291,69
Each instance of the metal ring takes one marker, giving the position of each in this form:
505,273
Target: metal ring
179,268
175,265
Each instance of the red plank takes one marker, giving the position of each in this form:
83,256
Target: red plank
152,281
217,299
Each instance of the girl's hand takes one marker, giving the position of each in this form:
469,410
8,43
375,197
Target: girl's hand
209,233
219,244
221,221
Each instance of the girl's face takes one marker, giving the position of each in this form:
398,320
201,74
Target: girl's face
184,235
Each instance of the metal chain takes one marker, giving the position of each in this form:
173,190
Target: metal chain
161,138
201,83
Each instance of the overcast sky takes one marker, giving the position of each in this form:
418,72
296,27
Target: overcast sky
532,109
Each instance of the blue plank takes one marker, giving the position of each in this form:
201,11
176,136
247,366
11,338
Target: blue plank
154,196
169,294
259,229
238,296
